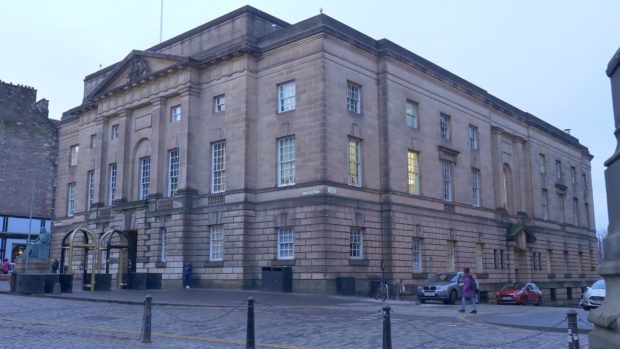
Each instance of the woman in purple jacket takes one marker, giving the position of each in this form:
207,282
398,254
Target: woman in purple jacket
469,291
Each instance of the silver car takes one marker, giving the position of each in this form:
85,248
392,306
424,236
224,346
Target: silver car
594,295
446,287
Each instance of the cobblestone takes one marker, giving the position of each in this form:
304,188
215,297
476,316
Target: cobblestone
59,323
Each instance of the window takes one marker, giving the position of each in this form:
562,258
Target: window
73,156
356,243
501,258
286,97
112,184
446,175
411,110
573,175
475,187
355,162
549,261
542,164
479,258
175,113
145,177
536,261
115,133
558,169
472,132
450,252
286,243
413,173
580,260
90,182
219,104
496,259
575,211
173,171
587,211
354,98
164,244
417,255
93,141
286,161
217,243
70,199
444,126
218,167
561,216
545,204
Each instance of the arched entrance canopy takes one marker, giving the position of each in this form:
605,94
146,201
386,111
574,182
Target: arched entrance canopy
105,244
69,244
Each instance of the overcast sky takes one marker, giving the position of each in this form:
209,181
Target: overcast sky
544,57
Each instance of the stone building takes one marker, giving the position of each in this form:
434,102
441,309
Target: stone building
27,166
249,142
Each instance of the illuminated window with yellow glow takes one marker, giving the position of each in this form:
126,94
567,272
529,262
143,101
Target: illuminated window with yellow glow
355,162
413,173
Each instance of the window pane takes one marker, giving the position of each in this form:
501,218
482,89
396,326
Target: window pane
112,184
173,171
417,255
217,243
286,97
145,177
218,167
354,162
447,179
286,245
412,172
355,243
90,181
412,114
286,161
354,98
219,104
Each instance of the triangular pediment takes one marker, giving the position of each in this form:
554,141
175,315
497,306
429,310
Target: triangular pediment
137,66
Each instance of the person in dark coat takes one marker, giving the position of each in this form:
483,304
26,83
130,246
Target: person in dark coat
187,274
55,265
469,291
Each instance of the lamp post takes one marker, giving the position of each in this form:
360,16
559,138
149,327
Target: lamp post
606,333
32,190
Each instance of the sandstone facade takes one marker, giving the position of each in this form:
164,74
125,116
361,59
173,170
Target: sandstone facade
314,121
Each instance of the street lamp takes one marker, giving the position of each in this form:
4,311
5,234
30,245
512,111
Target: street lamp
45,145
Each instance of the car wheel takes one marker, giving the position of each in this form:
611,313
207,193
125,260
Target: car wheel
539,302
452,298
422,300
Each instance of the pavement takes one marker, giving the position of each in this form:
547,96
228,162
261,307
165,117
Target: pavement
548,319
326,321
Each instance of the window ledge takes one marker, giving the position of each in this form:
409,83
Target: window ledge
359,262
213,264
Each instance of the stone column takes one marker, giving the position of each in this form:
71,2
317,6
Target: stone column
606,319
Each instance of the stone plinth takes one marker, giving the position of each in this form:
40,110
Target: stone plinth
35,265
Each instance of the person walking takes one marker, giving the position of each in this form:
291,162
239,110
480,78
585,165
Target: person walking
5,266
187,274
469,291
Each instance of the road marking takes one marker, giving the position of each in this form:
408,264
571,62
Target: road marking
157,334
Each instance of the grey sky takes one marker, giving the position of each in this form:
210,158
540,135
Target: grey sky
545,57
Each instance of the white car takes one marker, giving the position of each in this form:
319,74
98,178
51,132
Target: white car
594,296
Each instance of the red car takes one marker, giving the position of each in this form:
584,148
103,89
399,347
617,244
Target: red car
519,293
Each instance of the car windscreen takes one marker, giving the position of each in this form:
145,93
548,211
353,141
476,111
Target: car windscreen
516,285
600,285
443,277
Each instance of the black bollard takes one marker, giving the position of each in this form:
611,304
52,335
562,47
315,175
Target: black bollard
573,330
250,341
387,329
146,325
